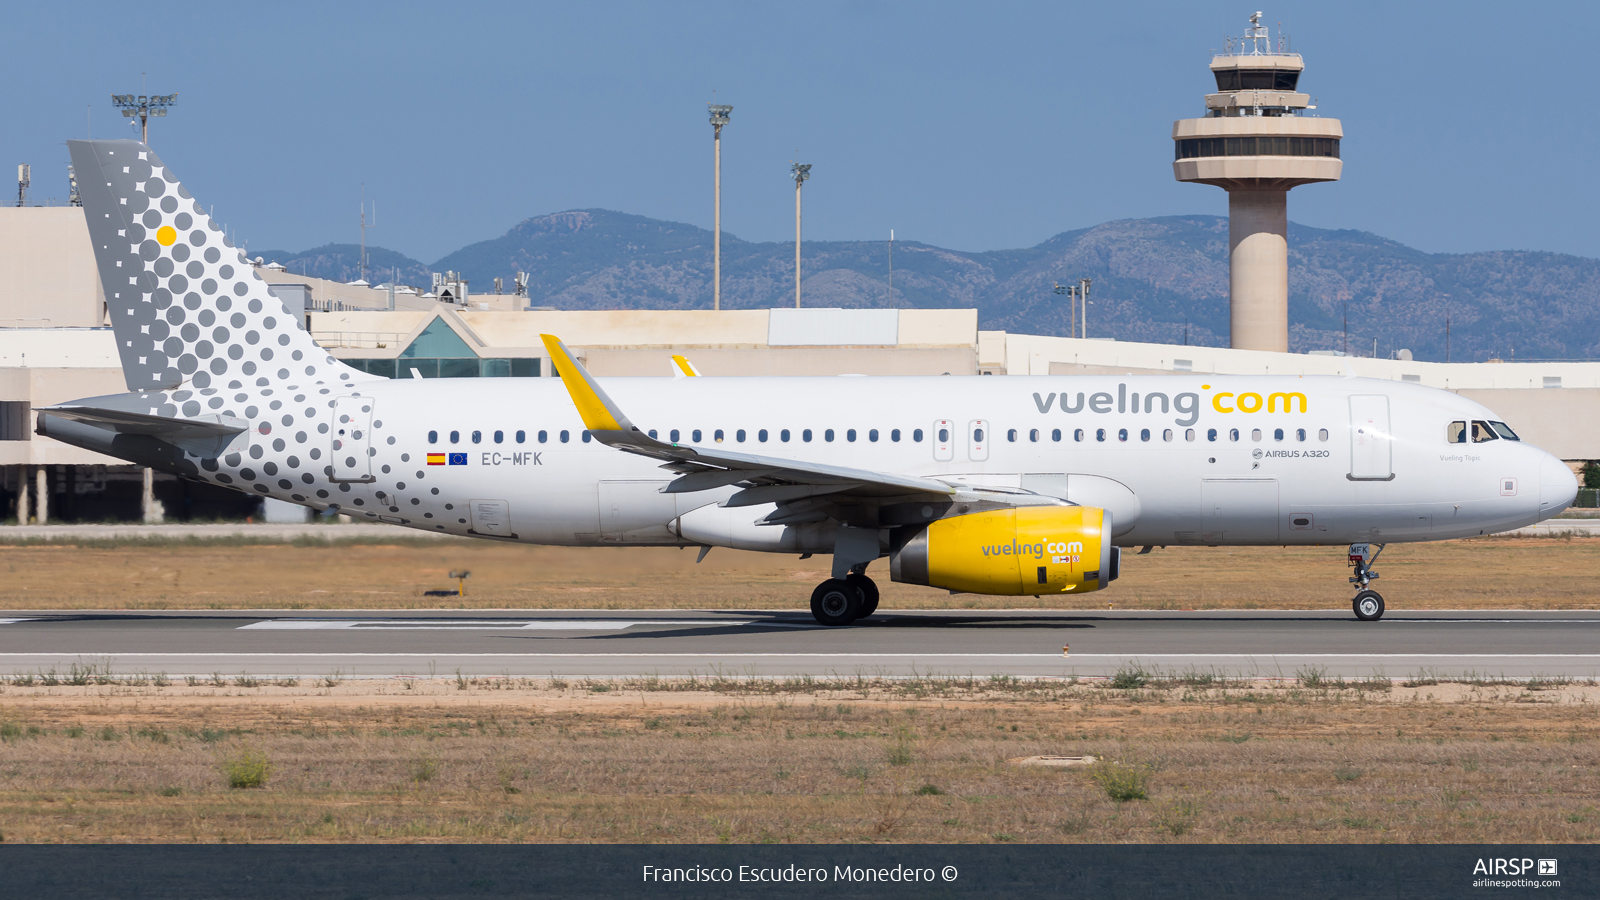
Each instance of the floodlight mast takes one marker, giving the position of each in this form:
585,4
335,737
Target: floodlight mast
719,118
800,173
142,107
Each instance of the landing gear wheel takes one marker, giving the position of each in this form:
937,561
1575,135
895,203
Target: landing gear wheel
869,592
1368,606
836,602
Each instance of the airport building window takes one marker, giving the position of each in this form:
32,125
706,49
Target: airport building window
695,435
784,435
895,435
739,435
522,437
455,437
805,435
850,435
544,436
1256,79
1189,435
433,437
762,435
717,435
1195,148
916,436
1322,434
565,436
872,435
1055,435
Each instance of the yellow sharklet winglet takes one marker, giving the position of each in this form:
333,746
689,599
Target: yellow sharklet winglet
597,410
682,368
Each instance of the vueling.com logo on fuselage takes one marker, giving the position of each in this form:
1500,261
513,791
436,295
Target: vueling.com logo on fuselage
1186,404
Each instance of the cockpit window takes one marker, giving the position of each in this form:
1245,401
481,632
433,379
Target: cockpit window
1481,432
1456,432
1505,431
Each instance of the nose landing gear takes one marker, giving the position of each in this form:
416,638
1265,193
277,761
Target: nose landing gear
1367,603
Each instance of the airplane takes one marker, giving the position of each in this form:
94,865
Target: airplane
1018,485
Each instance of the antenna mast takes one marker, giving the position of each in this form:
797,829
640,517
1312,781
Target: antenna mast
365,225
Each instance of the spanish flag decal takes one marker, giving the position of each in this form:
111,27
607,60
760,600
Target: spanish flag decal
435,459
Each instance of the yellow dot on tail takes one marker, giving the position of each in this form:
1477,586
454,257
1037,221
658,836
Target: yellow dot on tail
166,235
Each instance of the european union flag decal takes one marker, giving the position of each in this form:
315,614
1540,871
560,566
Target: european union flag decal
458,459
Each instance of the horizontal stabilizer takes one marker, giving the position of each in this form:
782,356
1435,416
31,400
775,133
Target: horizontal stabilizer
204,436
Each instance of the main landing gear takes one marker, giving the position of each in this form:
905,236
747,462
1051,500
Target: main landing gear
840,601
1367,603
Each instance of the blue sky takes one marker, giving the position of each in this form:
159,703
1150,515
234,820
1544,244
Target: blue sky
1469,126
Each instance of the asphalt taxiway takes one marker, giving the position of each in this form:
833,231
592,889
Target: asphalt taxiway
604,644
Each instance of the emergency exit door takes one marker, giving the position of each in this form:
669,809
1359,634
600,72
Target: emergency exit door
1371,441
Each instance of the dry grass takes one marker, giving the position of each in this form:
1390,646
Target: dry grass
1485,573
496,760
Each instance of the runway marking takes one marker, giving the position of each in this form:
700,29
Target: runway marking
504,625
424,654
13,621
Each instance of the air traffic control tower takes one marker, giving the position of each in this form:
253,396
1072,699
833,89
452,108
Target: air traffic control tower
1256,142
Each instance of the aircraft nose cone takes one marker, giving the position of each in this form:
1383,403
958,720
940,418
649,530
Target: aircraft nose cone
1558,487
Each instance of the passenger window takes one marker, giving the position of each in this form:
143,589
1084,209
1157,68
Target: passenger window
586,435
1144,434
944,435
806,435
916,436
827,435
544,437
1189,435
873,435
1034,435
1505,431
499,437
1233,434
717,435
784,435
739,435
565,436
674,435
1122,434
1211,434
1482,433
762,435
1300,434
652,434
1167,435
1011,435
1277,434
850,435
433,437
695,435
1456,432
1055,434
1100,434
1077,435
977,435
895,436
1255,434
522,436
1322,434
455,437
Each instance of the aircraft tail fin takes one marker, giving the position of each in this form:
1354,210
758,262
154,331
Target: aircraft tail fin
682,368
187,307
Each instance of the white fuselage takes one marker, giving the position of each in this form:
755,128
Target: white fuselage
517,466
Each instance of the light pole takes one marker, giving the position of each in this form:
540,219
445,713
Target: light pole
1083,294
142,107
800,173
719,118
1071,293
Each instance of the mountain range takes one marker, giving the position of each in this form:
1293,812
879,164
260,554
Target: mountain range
1161,279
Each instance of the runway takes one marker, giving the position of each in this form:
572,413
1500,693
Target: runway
610,644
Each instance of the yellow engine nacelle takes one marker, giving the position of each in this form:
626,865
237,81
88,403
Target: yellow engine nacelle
1025,550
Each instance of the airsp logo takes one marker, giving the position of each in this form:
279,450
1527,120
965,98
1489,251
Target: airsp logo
1547,867
1257,453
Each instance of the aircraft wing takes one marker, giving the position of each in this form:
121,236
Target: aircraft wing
763,479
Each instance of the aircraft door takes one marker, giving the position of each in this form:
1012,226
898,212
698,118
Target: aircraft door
1371,441
944,440
978,438
352,439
